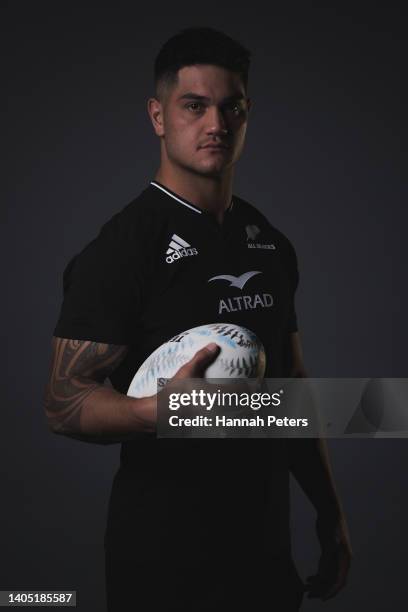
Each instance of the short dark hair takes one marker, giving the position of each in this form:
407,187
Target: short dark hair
199,46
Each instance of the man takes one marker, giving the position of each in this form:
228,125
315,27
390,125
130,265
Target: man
192,524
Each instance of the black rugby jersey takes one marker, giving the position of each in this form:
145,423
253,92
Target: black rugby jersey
157,268
162,265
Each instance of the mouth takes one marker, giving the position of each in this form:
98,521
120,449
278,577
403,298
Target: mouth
215,147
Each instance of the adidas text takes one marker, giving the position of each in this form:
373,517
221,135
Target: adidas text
181,253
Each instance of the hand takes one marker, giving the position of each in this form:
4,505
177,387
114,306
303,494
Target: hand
190,380
335,560
196,367
183,380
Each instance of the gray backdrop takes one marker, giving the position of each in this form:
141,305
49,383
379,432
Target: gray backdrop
323,160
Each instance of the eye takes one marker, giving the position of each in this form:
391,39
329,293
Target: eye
235,108
194,107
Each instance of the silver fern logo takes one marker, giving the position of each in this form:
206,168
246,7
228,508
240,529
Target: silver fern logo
252,231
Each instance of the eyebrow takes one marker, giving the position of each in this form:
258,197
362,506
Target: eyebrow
193,96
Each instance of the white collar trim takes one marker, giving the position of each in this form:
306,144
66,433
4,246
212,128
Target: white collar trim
175,197
172,195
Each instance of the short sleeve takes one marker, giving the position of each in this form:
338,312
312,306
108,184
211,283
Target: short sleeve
103,286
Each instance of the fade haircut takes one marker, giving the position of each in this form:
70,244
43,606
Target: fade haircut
194,46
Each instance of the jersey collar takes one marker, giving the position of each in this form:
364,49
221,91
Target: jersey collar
183,201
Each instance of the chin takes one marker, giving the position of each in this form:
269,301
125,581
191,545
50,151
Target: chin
214,169
212,172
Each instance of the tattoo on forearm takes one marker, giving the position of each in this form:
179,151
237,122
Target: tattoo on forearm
77,369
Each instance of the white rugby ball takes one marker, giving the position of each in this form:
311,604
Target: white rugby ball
242,355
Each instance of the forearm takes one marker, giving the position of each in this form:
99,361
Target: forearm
309,464
81,408
309,457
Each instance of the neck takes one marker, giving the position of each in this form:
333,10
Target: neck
212,194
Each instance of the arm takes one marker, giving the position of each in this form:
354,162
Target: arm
309,459
79,405
310,465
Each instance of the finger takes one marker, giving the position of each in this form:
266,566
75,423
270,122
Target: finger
196,367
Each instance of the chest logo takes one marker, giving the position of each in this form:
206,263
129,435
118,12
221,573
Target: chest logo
179,248
252,232
242,302
235,281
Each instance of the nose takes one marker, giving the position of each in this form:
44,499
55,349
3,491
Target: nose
216,124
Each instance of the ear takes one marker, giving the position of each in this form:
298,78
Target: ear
155,110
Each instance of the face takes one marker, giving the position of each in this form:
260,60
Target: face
202,120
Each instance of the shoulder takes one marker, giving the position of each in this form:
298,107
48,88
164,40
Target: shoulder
255,217
138,216
134,224
123,235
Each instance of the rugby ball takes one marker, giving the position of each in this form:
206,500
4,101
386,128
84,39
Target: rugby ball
242,355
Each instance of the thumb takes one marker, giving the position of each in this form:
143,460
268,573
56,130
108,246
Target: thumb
196,367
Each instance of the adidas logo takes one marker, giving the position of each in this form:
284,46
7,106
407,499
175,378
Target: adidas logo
179,248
